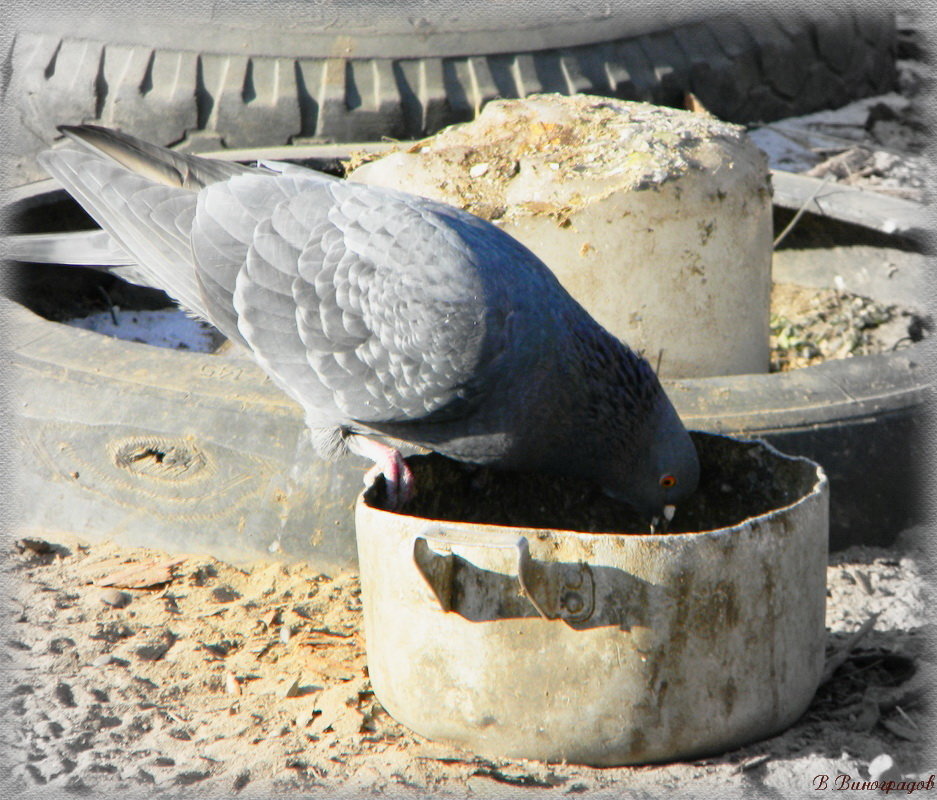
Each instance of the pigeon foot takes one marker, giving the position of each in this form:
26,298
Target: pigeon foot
398,477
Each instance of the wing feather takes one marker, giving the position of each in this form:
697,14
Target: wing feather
355,301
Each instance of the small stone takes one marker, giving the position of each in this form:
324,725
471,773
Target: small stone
60,644
190,777
883,768
115,598
35,545
224,594
308,715
231,684
102,660
157,648
76,786
478,170
63,693
49,730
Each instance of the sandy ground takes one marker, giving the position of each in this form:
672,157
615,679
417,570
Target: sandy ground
218,681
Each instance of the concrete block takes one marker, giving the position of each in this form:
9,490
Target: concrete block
657,220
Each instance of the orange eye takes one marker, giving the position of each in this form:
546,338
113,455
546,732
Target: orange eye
668,481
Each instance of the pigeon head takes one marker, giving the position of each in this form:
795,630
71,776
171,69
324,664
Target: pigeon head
663,471
622,431
674,472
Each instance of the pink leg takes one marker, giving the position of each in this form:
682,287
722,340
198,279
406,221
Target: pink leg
398,479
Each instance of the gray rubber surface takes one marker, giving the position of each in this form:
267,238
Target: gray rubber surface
363,70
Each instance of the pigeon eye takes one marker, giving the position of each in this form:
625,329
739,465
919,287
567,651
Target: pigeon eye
668,481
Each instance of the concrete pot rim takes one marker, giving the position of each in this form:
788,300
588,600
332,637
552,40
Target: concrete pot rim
490,531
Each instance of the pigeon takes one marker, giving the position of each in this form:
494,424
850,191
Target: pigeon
387,317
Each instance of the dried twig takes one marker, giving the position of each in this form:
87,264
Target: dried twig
141,575
110,305
800,212
908,719
752,763
835,661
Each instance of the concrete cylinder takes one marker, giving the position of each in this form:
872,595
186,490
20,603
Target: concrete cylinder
603,648
657,220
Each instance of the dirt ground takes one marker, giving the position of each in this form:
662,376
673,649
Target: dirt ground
809,326
218,682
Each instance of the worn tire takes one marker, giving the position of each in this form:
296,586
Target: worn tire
313,74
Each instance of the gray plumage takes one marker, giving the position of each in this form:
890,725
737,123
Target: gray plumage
383,313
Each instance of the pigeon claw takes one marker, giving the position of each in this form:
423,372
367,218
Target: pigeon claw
398,477
398,481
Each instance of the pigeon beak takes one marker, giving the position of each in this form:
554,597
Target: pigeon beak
661,524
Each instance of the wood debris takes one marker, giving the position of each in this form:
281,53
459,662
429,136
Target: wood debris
146,575
835,661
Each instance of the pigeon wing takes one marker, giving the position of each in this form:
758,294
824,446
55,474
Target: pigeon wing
364,305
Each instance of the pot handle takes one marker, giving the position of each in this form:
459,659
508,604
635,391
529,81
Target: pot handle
555,590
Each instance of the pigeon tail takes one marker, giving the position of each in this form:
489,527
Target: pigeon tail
179,170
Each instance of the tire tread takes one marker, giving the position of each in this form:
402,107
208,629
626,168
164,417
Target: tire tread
742,70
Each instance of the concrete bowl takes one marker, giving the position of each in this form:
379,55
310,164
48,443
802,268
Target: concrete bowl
606,648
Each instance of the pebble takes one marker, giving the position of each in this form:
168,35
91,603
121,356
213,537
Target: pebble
190,777
157,647
478,170
224,594
115,598
307,716
65,696
49,729
102,660
232,685
883,768
35,545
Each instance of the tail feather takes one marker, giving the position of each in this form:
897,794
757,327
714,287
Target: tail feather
148,220
78,248
144,196
94,249
168,167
